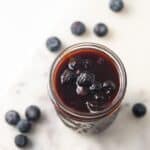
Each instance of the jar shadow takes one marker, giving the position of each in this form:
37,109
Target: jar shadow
125,130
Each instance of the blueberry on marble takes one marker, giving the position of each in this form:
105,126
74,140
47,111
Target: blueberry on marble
78,28
33,113
139,110
21,140
12,117
116,5
53,43
100,29
24,126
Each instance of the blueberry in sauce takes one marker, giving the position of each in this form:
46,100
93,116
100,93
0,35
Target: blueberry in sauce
67,76
101,96
82,91
75,63
109,87
85,79
93,106
95,87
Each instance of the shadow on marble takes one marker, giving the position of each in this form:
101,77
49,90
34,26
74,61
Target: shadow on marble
125,129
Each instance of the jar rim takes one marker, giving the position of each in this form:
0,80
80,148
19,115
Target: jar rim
121,73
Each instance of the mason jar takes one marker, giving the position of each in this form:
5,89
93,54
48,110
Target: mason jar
83,122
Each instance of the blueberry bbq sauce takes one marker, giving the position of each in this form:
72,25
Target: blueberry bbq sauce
84,83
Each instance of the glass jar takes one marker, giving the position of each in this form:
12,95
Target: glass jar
88,122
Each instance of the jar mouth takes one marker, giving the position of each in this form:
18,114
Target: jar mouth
121,74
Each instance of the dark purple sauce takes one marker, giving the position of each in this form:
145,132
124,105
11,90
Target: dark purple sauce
101,65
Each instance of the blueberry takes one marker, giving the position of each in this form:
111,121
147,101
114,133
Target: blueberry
12,117
109,87
78,28
116,5
67,76
100,29
101,97
24,126
82,91
95,87
85,79
139,110
93,106
100,61
21,140
86,64
33,113
53,43
75,63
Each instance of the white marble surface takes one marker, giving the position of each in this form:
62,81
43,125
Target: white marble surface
129,38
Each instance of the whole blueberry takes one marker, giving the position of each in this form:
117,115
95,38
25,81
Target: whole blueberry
100,29
85,79
78,28
21,140
75,63
67,76
116,5
93,106
33,113
82,91
101,97
12,117
139,110
24,126
95,87
108,87
53,43
86,64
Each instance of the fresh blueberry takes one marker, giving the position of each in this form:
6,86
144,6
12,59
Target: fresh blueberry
116,5
12,117
100,29
24,126
108,87
53,43
85,79
95,87
33,113
67,76
82,91
75,63
139,110
78,28
21,140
